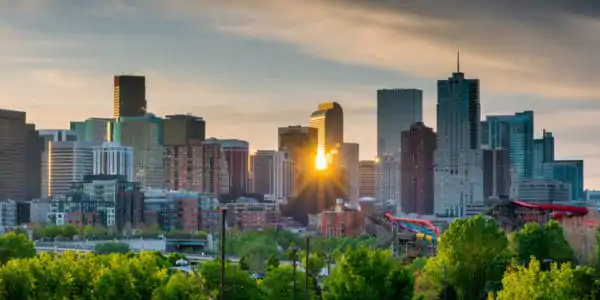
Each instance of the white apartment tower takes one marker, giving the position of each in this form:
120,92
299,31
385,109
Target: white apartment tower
113,159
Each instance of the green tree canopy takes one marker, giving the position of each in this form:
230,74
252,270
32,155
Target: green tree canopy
278,284
13,245
531,282
368,274
470,255
238,283
543,242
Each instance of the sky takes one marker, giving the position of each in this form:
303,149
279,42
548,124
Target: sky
250,66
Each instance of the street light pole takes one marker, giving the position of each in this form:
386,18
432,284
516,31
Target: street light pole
222,246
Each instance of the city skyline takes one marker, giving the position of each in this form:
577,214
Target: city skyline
227,70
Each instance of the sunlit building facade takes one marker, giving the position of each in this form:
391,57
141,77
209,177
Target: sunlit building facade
328,119
129,96
301,145
64,163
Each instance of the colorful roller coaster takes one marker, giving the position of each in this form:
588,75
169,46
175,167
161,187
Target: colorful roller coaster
423,229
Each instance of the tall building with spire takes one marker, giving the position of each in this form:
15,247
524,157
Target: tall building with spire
458,165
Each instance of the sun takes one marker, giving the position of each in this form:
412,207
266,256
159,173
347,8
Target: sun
321,159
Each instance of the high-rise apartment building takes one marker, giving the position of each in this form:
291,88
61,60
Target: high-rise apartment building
368,179
418,148
97,130
20,154
328,119
145,135
301,144
458,172
235,153
496,173
349,161
129,96
569,172
183,137
271,174
215,175
111,158
543,152
64,163
397,110
514,133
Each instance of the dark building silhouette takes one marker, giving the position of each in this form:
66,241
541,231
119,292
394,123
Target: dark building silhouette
496,173
129,96
183,136
417,169
235,153
301,145
20,157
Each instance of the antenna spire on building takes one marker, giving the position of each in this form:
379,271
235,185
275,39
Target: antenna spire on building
458,61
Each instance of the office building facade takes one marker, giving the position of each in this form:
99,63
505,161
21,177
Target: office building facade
367,179
569,172
417,169
21,150
145,135
397,110
301,144
235,154
271,174
458,172
97,130
514,133
64,163
496,173
328,119
543,152
129,96
110,158
57,135
349,161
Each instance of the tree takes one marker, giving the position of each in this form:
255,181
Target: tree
543,242
89,231
238,284
368,274
13,245
52,231
278,284
470,254
111,247
181,287
530,282
69,231
256,255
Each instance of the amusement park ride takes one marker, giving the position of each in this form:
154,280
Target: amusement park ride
411,238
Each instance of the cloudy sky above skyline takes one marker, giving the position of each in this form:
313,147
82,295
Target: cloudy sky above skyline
259,64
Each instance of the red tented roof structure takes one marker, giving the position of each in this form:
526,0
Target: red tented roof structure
574,210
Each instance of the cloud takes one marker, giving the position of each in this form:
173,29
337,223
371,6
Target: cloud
513,47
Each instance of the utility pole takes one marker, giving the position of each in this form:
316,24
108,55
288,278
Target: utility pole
306,291
223,232
295,259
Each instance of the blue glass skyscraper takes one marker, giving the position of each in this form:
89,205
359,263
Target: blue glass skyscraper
515,134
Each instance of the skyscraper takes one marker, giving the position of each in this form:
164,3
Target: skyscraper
397,110
96,130
183,136
349,161
145,135
235,153
496,173
129,96
63,163
328,119
301,145
458,172
271,174
368,178
515,134
418,147
543,152
20,149
569,172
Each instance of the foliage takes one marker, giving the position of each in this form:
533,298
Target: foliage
372,274
531,282
180,286
278,284
256,255
238,283
184,234
111,247
471,254
14,245
542,242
